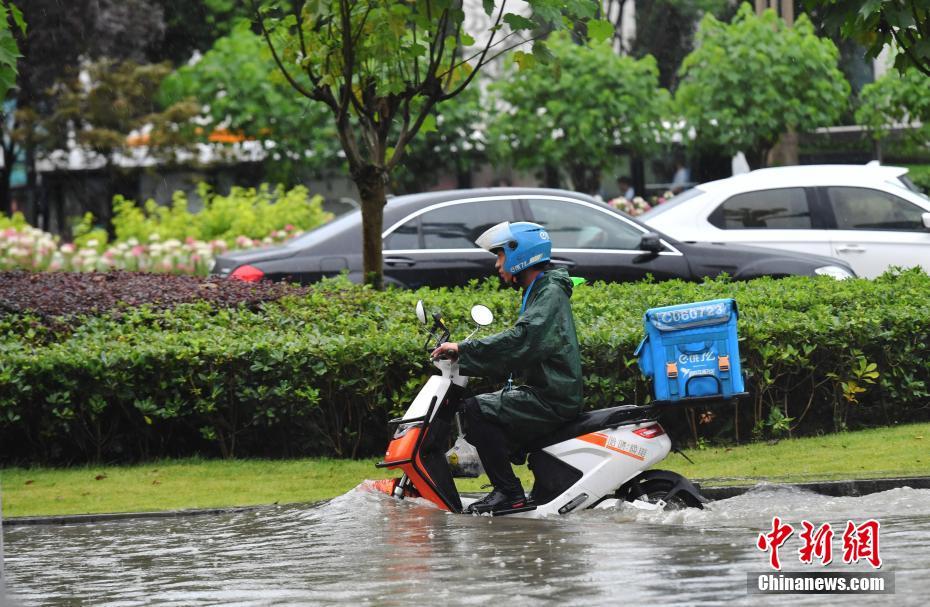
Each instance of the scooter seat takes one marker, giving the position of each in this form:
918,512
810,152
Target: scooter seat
592,421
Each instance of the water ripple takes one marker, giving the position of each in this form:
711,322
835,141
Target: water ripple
366,548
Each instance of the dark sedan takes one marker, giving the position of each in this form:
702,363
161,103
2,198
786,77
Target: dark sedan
429,240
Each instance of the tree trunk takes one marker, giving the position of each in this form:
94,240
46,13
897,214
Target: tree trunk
551,177
586,178
371,186
786,151
757,157
638,174
31,186
5,186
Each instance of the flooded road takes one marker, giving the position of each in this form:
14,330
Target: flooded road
366,548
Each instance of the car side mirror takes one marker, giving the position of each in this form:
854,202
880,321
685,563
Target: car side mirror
926,219
651,243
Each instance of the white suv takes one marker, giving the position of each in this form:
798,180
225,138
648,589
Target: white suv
871,216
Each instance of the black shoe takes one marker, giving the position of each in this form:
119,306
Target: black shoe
496,501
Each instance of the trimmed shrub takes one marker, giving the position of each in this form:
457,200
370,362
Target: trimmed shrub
321,372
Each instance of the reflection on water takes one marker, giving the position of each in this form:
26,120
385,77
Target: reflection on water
365,547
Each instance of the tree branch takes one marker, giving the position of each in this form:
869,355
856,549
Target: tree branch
274,53
449,73
298,14
907,51
406,135
474,72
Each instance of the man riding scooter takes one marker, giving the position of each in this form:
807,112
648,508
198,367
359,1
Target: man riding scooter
541,347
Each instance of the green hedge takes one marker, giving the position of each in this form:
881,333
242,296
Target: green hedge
321,374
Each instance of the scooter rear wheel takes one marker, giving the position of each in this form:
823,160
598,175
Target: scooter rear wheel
656,489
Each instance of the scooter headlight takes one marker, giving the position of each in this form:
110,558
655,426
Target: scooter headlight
404,429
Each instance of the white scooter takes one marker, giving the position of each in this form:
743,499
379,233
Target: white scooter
601,458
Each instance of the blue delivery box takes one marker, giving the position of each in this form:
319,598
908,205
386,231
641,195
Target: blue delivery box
691,351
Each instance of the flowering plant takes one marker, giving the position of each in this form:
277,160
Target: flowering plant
28,248
637,206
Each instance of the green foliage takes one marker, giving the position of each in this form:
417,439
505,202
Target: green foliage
455,143
17,221
322,373
381,66
576,110
919,174
243,212
120,98
10,17
87,235
749,81
877,24
231,82
897,98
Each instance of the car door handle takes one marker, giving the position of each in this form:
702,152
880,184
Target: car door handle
404,262
568,263
850,248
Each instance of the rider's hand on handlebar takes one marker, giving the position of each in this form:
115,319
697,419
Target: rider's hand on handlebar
448,350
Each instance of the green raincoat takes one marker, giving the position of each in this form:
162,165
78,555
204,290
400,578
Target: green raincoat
542,348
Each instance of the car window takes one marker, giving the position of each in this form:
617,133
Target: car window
780,209
404,237
575,226
865,209
457,226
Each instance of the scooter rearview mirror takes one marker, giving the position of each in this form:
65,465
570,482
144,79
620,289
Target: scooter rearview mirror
482,315
421,312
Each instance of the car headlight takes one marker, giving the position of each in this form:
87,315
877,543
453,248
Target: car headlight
834,272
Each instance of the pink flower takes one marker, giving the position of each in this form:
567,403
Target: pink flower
190,240
289,228
137,251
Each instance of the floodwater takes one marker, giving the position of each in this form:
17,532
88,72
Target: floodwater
367,548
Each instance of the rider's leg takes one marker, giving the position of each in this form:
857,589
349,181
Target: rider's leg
491,443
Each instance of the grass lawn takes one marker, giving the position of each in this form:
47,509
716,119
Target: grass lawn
196,483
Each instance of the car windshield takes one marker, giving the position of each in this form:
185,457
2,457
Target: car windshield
672,203
326,231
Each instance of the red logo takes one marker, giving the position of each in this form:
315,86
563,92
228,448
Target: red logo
859,542
819,543
773,541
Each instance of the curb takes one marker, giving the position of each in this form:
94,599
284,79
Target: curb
848,488
79,519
